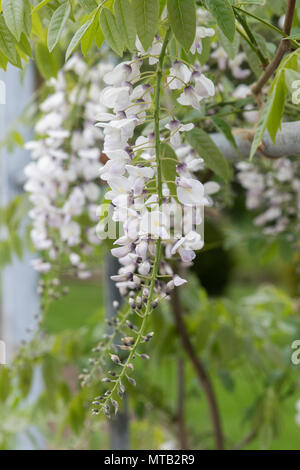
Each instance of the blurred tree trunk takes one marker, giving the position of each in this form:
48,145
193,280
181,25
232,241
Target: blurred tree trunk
119,425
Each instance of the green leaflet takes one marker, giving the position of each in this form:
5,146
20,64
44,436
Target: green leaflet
277,105
225,128
46,62
162,4
7,44
271,115
231,47
17,15
125,20
57,24
77,38
25,45
88,5
207,149
90,34
41,5
110,30
223,13
146,19
182,16
252,58
261,127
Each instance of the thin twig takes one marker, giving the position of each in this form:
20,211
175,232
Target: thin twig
282,49
247,440
199,369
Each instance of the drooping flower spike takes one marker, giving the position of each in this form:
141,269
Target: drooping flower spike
145,203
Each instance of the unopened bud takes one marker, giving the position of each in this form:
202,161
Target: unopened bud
146,292
145,356
139,303
130,325
128,341
132,381
115,404
115,358
149,336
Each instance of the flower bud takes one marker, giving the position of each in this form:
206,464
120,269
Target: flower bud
115,359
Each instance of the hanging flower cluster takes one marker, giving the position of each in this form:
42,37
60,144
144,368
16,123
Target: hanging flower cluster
132,167
152,181
273,189
62,178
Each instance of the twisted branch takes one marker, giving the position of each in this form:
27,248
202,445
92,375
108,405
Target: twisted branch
282,49
199,369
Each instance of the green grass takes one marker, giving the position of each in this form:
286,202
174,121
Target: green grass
79,308
84,307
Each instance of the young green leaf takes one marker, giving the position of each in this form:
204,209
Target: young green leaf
99,38
225,128
125,20
162,4
90,34
25,45
111,32
231,47
3,61
207,149
37,27
182,16
252,58
261,127
222,11
17,15
45,61
278,97
57,24
146,19
41,5
77,38
88,5
7,44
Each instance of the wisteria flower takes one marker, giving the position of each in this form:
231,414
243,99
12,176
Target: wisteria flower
190,192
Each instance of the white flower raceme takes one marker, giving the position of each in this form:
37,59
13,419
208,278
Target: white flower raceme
62,178
274,191
143,200
131,169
